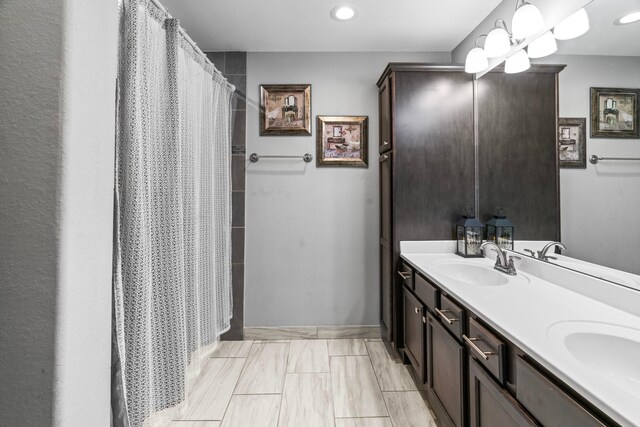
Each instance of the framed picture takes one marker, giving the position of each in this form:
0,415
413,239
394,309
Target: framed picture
285,110
572,145
614,113
342,141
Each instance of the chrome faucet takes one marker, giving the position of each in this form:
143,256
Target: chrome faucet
543,253
502,264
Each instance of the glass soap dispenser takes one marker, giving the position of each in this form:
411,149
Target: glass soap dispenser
500,230
469,232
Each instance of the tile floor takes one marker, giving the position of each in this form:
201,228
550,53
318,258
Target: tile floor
305,383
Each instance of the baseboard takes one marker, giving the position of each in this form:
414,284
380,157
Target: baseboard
310,332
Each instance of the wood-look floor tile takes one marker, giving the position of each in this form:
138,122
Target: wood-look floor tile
348,332
355,388
408,409
194,424
363,422
280,333
307,401
308,356
247,410
213,389
347,347
392,375
232,349
264,370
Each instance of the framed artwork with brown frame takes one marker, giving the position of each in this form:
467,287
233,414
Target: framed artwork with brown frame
614,113
342,141
572,142
285,110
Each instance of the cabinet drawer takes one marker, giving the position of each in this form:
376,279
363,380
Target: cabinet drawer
405,273
451,315
426,291
487,349
547,402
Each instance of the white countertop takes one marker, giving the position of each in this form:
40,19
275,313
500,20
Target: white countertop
532,312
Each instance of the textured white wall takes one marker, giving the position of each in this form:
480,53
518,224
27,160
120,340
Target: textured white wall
311,254
600,204
57,83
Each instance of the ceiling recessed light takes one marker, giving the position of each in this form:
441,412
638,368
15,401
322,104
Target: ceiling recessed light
343,13
629,18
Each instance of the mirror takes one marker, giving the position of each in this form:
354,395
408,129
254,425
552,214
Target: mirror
600,203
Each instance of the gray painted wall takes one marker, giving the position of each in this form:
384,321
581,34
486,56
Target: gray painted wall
57,83
599,204
311,255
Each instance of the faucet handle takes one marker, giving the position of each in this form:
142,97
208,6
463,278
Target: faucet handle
511,268
548,257
512,257
499,257
533,254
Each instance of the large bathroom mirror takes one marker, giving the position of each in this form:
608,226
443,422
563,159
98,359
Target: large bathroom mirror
600,203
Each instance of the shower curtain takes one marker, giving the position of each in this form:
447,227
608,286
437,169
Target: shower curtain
172,231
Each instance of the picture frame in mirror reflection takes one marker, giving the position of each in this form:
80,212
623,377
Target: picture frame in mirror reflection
572,142
285,110
342,141
614,113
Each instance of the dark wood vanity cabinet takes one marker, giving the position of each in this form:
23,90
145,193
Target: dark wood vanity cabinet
414,332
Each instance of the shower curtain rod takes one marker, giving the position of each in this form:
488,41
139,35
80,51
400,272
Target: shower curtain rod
193,44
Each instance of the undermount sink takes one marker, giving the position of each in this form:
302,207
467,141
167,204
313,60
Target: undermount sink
611,351
472,274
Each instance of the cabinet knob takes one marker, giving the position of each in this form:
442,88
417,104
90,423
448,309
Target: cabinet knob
417,310
385,142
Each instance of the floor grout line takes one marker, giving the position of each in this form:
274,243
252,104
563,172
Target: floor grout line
375,374
236,384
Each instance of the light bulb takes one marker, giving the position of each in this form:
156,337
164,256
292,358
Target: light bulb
526,22
517,63
476,61
628,18
573,26
543,46
343,13
497,43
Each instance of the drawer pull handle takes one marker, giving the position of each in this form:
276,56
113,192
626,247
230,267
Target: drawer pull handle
471,341
404,274
444,317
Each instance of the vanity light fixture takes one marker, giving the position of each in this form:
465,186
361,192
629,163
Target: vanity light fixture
476,61
517,63
543,46
629,18
527,21
343,13
498,41
574,26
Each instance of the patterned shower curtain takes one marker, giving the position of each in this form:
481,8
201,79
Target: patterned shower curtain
172,232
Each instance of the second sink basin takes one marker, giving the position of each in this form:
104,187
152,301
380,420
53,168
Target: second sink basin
472,274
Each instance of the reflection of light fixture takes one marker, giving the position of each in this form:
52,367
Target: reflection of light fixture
517,63
543,46
476,61
527,21
573,26
629,18
498,42
343,13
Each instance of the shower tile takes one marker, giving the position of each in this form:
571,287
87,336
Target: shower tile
235,63
265,369
218,59
240,95
238,137
235,332
233,349
213,389
237,245
238,163
308,356
347,347
253,410
237,206
408,409
392,375
306,401
355,388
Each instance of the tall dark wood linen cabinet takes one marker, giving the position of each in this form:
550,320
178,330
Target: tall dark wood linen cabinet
447,142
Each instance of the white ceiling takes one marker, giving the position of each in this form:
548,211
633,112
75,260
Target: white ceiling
604,37
305,25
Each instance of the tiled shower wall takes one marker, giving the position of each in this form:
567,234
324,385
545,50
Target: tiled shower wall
233,66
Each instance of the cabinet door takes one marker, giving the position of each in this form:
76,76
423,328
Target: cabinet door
385,197
491,405
414,332
446,372
384,99
386,288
